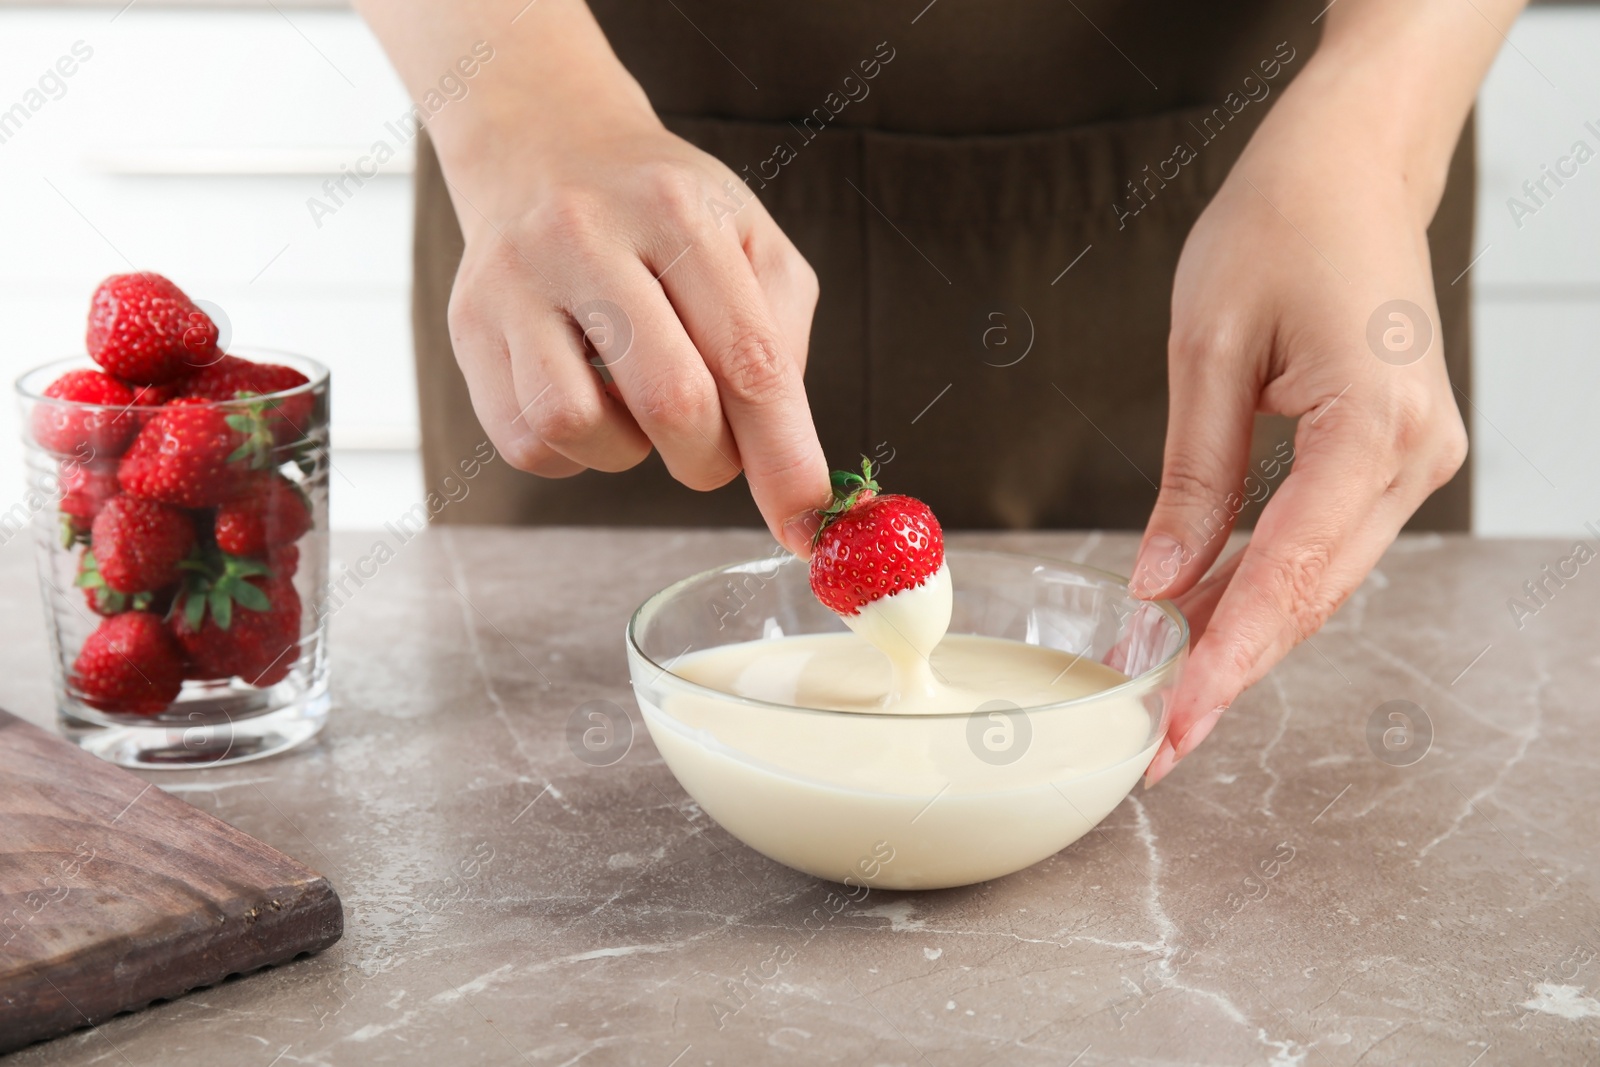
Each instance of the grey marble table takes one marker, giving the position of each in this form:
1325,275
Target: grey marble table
1293,894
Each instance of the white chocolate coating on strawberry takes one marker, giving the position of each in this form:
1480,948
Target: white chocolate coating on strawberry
906,627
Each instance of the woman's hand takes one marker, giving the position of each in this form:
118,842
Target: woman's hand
586,220
1276,289
698,305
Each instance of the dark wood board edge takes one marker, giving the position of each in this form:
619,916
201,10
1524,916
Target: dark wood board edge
310,919
302,915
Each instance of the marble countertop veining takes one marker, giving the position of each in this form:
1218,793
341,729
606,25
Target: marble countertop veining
1291,895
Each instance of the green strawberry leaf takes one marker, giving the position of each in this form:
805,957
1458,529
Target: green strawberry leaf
221,607
194,610
257,444
109,601
251,596
216,582
849,488
247,568
89,576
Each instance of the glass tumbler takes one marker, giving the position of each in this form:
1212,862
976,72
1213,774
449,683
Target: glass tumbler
222,506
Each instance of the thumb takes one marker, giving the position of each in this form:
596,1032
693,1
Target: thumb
1210,415
1200,602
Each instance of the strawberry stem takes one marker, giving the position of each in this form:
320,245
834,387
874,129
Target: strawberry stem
255,450
108,601
219,583
849,489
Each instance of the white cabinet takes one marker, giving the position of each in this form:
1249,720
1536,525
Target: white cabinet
1538,285
191,139
189,142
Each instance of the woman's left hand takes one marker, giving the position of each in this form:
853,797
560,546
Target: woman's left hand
1288,300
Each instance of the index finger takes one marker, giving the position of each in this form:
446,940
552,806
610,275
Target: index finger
759,381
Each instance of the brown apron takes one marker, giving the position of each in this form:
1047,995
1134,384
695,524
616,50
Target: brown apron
995,288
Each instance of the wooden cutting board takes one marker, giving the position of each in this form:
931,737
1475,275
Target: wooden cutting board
114,894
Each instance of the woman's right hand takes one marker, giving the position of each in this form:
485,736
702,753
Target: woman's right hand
584,217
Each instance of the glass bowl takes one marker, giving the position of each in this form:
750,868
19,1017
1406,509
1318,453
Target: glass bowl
903,801
253,713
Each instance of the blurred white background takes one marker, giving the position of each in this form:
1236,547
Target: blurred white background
192,138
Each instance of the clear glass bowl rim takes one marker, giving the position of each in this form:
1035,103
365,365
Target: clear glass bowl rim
1132,687
48,372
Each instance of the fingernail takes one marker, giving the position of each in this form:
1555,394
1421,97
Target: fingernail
1165,758
1197,733
798,530
1156,567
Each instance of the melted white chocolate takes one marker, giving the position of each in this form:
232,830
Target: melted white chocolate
906,627
956,797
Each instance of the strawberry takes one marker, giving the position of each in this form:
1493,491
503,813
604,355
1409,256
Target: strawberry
237,620
138,543
104,430
232,378
195,454
85,488
148,398
143,329
289,416
104,600
223,380
153,396
283,561
871,546
130,664
269,511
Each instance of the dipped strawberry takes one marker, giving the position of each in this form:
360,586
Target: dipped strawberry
138,543
143,329
268,511
878,562
130,664
239,621
98,432
871,546
195,454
